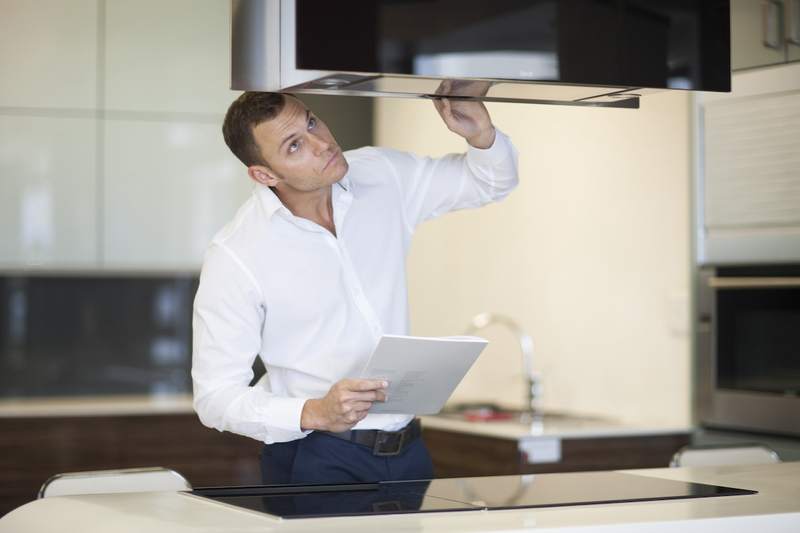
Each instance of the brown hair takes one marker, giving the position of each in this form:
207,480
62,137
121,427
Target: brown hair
244,114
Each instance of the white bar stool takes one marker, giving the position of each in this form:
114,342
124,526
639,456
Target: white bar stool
724,454
149,479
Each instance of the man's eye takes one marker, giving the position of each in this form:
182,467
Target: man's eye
293,147
311,123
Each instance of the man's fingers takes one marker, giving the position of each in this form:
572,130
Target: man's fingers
437,103
363,385
447,110
368,396
360,406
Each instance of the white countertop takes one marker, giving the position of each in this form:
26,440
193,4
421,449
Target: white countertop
776,508
96,406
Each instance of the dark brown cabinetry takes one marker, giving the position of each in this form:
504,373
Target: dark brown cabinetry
33,449
458,454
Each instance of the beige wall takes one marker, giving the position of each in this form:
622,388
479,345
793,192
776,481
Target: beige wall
590,255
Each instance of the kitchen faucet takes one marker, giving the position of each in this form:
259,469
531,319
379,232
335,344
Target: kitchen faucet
532,381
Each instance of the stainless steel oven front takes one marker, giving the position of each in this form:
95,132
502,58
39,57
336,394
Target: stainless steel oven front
748,348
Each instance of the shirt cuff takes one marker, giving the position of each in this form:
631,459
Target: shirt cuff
496,153
285,413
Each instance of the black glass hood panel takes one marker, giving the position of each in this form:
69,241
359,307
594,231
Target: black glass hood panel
459,494
680,44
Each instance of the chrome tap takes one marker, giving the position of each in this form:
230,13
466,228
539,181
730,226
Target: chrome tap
532,381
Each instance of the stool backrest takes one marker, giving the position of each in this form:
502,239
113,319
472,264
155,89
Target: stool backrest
149,479
725,454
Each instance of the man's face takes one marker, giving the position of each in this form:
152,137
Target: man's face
299,149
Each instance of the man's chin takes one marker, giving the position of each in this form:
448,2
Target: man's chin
341,171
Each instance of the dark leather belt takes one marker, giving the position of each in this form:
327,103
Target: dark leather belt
382,443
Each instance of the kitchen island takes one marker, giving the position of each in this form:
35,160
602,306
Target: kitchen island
775,508
96,433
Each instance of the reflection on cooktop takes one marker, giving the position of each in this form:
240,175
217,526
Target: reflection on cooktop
460,494
308,501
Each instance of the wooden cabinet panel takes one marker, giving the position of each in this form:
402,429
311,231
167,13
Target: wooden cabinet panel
459,454
33,449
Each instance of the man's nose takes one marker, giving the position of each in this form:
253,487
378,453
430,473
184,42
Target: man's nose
320,145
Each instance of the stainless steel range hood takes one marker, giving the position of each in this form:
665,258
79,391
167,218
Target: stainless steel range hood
568,52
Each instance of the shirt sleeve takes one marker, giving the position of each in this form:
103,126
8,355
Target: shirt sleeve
227,323
433,186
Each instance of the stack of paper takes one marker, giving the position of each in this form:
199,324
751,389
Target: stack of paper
422,371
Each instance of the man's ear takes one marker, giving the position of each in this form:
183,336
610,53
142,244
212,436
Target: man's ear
262,175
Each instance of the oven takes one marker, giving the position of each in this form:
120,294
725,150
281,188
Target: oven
748,348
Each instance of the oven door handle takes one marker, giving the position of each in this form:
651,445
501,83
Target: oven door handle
717,282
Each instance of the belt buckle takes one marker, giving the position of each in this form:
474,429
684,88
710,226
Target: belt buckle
380,440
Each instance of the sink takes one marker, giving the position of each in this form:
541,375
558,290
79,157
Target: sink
488,412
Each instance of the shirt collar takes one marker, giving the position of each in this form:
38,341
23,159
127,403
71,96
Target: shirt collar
272,204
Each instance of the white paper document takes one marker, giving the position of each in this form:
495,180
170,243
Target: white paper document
422,371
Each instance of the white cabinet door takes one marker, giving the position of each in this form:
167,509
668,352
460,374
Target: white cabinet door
169,56
750,28
793,30
169,180
48,97
48,192
750,169
48,53
169,186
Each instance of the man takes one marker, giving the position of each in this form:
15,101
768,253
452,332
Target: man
311,272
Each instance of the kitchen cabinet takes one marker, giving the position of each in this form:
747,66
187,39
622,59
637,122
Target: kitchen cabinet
764,32
457,454
48,55
34,448
793,31
747,146
48,101
166,198
110,114
113,156
169,181
48,192
167,57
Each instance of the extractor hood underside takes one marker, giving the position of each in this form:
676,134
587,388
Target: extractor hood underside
487,90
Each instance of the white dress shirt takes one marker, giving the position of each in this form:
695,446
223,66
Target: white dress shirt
313,305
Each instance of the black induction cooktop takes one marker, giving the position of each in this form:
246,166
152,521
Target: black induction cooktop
459,494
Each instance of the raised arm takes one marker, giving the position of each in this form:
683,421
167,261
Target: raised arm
486,173
468,118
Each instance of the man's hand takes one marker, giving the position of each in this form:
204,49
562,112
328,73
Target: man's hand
346,404
468,118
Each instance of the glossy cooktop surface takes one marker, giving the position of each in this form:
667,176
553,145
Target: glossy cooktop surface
459,494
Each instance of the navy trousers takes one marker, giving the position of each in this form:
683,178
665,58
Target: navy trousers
321,458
